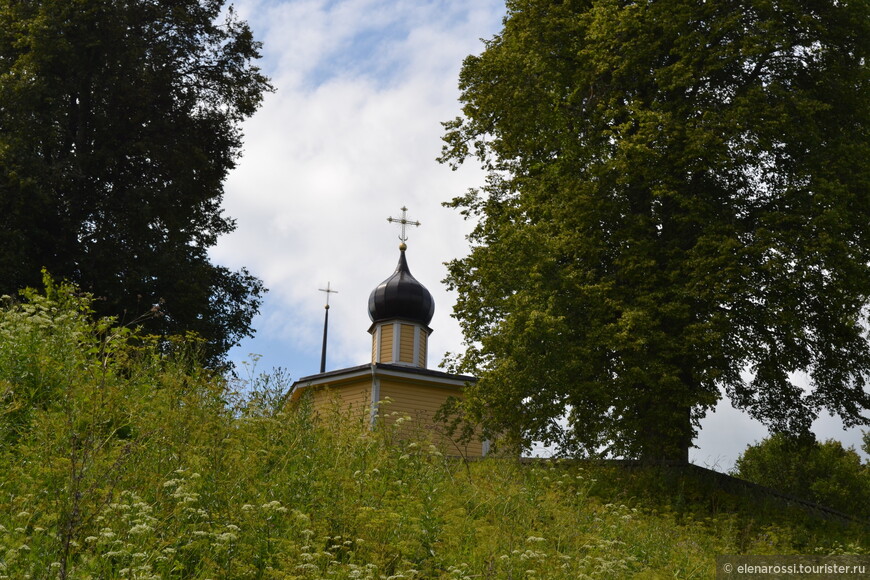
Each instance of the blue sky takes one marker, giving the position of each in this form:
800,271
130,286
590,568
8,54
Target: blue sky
349,137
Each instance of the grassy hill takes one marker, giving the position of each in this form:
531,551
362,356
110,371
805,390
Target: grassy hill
122,458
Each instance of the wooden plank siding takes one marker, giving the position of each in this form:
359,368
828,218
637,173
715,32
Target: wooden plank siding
421,403
386,343
421,361
416,394
354,396
406,343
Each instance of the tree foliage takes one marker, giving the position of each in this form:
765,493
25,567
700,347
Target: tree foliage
825,473
677,205
119,122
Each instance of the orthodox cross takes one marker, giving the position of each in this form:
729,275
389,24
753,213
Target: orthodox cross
328,291
403,221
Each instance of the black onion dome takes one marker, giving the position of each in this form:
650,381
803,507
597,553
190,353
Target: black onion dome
401,296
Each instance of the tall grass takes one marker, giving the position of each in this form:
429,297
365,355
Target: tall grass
123,458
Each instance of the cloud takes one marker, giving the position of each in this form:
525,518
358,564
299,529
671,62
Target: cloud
349,137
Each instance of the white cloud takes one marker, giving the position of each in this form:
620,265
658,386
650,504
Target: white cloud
350,136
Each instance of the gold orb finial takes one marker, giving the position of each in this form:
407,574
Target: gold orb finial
403,246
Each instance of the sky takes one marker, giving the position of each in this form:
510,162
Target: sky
349,137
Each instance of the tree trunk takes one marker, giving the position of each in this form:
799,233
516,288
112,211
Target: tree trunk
665,435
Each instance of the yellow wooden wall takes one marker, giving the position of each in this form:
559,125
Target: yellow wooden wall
406,343
421,402
386,343
418,401
421,361
354,395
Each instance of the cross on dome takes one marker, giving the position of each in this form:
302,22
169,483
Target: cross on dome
404,222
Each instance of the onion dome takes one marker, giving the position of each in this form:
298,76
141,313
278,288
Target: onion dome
401,296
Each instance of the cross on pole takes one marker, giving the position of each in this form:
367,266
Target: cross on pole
328,291
403,221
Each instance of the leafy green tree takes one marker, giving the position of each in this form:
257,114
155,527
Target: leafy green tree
119,122
825,473
676,206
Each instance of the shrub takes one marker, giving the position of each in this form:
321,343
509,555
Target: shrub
825,473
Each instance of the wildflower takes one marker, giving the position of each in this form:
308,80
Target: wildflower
306,566
140,529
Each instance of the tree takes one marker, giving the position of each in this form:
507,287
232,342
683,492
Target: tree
119,122
825,473
677,204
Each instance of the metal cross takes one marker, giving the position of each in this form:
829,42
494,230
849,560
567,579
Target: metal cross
403,221
328,292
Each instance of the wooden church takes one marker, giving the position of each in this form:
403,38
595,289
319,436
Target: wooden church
397,381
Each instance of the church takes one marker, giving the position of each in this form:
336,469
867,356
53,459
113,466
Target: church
397,382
